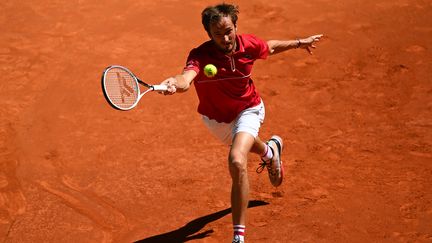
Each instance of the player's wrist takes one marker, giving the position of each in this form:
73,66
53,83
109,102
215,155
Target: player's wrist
298,43
180,82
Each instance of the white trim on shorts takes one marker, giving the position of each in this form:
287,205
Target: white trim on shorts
248,121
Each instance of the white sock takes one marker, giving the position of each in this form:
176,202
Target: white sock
268,154
239,230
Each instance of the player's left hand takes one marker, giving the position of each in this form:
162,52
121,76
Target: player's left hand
308,42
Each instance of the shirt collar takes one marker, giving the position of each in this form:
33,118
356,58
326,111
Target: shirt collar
239,44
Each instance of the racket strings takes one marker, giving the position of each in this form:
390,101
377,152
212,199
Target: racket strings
121,88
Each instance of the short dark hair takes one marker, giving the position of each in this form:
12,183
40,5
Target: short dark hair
213,14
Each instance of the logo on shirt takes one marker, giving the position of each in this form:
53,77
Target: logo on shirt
248,56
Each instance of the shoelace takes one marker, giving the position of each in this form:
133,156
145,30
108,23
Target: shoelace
267,164
264,164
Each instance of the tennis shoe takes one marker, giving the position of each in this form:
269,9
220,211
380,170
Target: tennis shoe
236,239
274,165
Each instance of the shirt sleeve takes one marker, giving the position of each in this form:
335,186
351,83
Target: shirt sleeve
260,47
193,62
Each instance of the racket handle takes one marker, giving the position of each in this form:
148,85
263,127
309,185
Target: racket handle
160,87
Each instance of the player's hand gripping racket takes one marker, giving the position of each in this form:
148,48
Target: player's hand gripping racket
121,88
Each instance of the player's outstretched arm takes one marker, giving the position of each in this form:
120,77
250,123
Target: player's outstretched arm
179,83
276,46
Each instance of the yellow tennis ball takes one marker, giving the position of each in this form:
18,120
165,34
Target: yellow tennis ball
210,70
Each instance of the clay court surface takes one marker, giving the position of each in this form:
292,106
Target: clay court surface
356,118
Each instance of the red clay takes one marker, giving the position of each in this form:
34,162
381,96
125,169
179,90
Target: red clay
356,118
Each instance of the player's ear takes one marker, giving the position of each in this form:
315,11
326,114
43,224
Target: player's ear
209,33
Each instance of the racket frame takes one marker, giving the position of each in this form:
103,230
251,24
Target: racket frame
137,80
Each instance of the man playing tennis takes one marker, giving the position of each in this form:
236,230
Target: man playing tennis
230,104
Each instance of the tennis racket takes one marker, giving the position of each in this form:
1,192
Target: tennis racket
121,87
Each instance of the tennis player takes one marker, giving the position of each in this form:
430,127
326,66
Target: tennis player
229,102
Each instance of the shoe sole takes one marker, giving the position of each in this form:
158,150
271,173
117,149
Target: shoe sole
279,143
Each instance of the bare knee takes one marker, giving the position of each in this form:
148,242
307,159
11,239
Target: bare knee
237,164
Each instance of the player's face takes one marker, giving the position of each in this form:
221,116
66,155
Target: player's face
223,33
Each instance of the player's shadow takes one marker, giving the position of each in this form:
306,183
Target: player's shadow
190,230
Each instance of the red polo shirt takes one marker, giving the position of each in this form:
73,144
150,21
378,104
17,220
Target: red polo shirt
231,91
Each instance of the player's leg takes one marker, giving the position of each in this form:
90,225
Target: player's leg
244,132
241,144
240,148
238,154
259,147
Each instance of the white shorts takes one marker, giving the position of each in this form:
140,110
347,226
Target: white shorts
248,121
